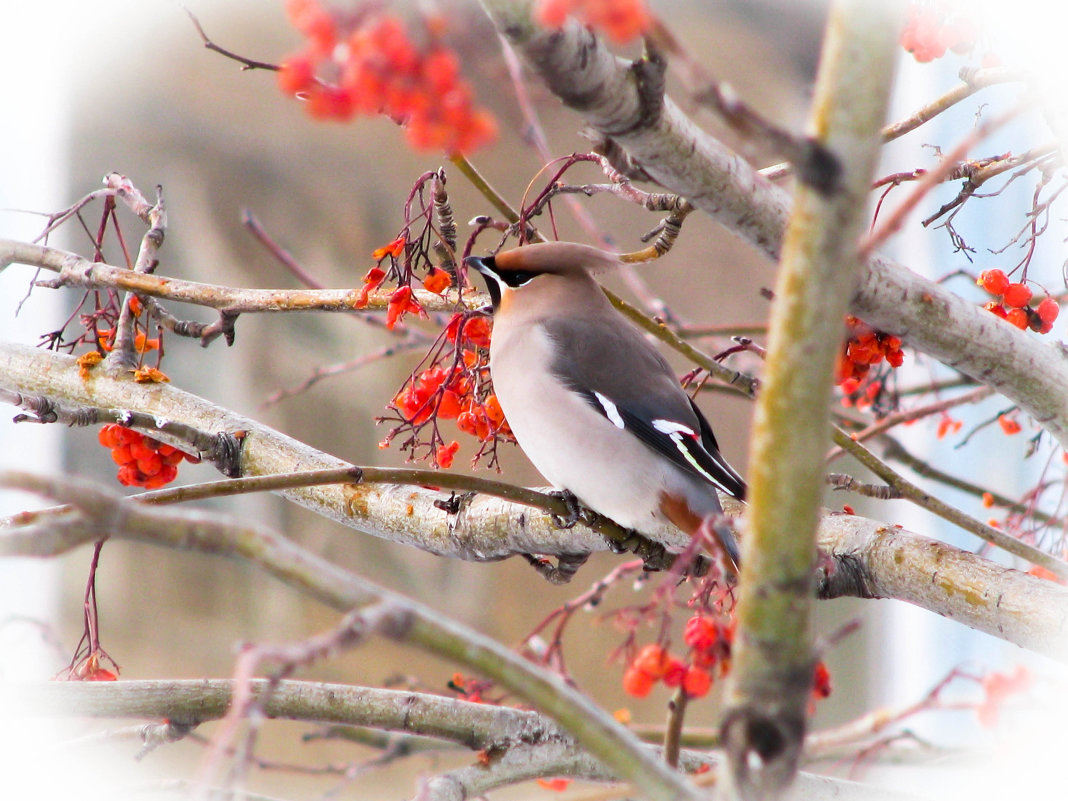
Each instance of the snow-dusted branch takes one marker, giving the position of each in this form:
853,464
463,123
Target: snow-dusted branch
195,701
953,583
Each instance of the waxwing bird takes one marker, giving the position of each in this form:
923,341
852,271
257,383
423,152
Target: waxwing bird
592,403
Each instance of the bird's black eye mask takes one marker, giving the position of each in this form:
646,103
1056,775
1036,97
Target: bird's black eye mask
497,278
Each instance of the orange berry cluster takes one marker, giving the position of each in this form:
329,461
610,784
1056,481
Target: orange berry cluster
143,461
622,20
450,393
948,425
1009,424
864,347
402,300
378,69
932,28
709,642
1014,304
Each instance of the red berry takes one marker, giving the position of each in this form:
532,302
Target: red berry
993,281
651,659
697,682
1009,425
151,464
297,74
701,633
996,308
821,681
445,454
173,458
139,449
127,435
167,473
122,455
108,436
1018,295
637,683
1047,310
674,672
128,475
1018,317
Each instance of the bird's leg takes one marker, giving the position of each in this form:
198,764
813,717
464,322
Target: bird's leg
567,564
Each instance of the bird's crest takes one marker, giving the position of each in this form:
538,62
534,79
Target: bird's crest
559,258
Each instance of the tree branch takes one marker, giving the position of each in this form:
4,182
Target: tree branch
529,738
486,528
769,686
582,72
73,270
397,618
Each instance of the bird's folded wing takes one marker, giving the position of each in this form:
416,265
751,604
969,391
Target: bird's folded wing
623,377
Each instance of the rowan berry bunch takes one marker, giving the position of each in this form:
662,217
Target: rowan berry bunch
1013,303
709,641
709,658
864,347
143,461
452,384
932,28
367,63
622,20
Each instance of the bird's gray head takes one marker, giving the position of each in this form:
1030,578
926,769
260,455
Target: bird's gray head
516,268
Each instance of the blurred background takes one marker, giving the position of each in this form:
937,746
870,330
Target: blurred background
128,87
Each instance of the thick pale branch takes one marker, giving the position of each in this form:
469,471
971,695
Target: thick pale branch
489,528
874,560
191,702
580,70
485,528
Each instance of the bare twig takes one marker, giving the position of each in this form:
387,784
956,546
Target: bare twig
944,510
246,63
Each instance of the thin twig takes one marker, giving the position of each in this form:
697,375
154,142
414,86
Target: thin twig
246,63
913,493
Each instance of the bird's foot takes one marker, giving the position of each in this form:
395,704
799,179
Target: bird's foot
567,565
574,509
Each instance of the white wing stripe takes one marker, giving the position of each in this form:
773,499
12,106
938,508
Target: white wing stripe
671,428
610,410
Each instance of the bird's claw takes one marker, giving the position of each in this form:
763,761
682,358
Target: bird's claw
574,509
567,564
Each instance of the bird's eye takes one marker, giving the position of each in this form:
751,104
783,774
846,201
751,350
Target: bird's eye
515,278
